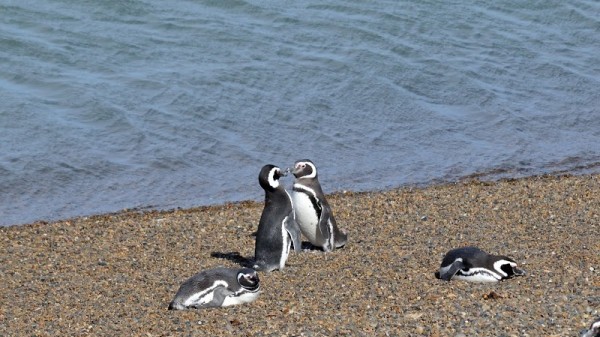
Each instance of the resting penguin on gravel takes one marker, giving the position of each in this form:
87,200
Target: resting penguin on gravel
219,287
277,229
312,210
474,265
594,330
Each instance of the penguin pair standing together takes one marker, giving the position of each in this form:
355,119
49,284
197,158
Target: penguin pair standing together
284,217
280,227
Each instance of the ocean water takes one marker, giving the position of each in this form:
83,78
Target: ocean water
108,105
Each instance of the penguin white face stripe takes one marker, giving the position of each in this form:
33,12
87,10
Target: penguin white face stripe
498,266
204,296
244,295
312,166
246,288
272,181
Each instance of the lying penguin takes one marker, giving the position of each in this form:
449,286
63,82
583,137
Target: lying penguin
219,287
474,265
594,330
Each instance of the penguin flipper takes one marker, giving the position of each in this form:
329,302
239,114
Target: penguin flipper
291,226
219,295
326,234
448,272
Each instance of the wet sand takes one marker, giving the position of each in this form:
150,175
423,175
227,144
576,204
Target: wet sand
114,275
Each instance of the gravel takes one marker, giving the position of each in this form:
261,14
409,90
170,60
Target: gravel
114,275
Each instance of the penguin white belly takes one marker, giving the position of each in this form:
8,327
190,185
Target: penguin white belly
245,298
306,216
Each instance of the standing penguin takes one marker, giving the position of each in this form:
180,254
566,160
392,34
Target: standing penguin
474,265
219,287
277,229
312,210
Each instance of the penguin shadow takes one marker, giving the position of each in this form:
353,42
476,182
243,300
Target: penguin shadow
307,246
234,257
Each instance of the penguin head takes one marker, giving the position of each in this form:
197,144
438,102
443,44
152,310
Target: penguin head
304,169
507,267
594,330
268,178
248,279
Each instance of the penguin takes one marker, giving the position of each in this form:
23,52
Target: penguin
277,228
313,214
594,330
219,287
474,265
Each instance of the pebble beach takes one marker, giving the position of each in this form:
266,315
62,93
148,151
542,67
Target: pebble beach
114,275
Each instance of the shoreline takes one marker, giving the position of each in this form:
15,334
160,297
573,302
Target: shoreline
490,177
115,274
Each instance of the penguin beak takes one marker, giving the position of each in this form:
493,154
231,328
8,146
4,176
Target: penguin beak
296,169
285,172
519,272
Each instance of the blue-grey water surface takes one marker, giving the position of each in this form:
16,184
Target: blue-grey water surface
107,105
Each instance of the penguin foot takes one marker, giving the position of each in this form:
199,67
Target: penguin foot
307,246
